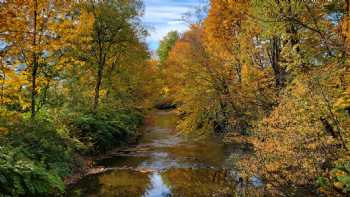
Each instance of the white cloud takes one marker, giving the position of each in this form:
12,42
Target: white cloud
178,22
159,32
162,16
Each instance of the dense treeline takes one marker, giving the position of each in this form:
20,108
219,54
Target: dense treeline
274,74
74,78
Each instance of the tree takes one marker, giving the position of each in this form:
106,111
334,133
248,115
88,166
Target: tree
166,45
276,71
33,30
114,26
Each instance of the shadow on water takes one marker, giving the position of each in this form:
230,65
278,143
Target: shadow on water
166,164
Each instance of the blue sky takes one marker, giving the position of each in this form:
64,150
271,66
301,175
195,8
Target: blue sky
162,16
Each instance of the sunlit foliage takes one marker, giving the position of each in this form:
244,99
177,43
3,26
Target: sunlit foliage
75,79
276,72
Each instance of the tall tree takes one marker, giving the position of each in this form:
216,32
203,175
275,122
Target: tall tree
33,31
112,27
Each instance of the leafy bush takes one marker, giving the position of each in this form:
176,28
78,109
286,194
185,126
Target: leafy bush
338,178
41,141
21,176
42,157
45,147
106,130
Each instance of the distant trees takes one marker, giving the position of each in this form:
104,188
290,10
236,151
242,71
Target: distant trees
166,45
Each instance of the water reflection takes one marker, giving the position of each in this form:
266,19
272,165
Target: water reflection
165,164
125,183
158,188
173,182
199,182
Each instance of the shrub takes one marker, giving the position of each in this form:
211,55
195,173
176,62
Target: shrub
338,179
45,147
21,176
41,141
42,157
107,130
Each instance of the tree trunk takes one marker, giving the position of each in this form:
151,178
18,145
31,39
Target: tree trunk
34,61
97,88
347,14
101,63
110,74
238,69
44,98
2,83
274,60
34,73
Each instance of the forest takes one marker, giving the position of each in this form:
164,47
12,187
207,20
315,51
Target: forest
77,80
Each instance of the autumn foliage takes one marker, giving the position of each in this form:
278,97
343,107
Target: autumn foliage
75,80
274,74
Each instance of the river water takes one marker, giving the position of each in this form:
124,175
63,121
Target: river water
166,164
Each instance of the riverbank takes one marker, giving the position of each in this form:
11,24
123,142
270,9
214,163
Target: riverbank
39,156
89,166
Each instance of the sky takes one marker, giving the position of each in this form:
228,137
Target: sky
162,16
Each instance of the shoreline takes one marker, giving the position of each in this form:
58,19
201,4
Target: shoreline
89,167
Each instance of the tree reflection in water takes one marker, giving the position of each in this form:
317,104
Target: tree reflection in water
125,183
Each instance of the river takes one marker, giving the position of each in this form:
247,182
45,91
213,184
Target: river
164,163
